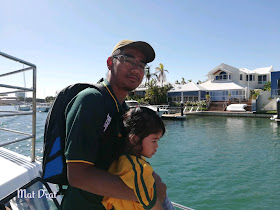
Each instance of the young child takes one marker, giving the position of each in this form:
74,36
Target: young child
144,128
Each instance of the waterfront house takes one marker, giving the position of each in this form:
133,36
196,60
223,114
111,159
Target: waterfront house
224,82
275,84
187,92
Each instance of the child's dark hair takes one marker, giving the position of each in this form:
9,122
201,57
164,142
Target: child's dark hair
142,121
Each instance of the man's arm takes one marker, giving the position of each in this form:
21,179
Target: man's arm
161,187
89,178
157,206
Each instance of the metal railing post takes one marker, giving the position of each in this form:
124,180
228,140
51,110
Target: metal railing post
33,116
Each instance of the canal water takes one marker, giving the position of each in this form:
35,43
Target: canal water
206,162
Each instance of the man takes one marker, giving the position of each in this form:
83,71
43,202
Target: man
88,152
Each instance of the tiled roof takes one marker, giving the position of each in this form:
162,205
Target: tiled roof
264,70
220,86
191,86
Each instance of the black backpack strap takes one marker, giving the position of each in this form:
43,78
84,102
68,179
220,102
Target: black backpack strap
61,191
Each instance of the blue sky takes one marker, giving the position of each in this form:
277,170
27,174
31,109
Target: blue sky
69,41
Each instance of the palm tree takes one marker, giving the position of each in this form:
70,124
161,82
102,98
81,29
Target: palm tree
161,73
148,75
183,81
189,80
177,82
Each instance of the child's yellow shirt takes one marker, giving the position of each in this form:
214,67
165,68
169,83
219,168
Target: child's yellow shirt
136,173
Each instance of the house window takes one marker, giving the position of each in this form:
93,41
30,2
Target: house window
223,76
278,87
240,76
252,77
262,79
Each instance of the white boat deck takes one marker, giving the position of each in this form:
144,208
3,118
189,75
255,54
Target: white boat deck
16,171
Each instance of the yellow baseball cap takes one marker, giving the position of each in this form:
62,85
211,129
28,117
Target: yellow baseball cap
144,47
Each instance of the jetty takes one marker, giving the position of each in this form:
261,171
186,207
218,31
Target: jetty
230,114
177,116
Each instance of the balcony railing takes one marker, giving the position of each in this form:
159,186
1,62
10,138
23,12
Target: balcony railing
262,82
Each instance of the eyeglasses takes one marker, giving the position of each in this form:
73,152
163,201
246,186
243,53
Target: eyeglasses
131,62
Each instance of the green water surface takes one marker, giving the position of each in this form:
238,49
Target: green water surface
206,162
221,163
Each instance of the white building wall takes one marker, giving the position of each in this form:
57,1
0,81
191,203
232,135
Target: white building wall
263,101
254,83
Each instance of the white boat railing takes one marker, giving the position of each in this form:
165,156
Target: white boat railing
181,206
18,89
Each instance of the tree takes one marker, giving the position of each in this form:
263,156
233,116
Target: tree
20,98
189,80
183,81
267,86
156,94
208,97
49,99
161,73
177,82
148,75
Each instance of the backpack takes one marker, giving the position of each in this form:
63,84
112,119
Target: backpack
54,161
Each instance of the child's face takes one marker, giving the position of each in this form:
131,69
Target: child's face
150,144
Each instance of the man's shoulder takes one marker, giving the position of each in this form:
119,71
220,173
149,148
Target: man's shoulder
90,91
89,98
90,95
93,98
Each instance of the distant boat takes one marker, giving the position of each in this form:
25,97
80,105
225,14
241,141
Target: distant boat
43,107
156,108
24,107
274,118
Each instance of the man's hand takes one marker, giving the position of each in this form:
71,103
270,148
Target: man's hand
161,187
89,178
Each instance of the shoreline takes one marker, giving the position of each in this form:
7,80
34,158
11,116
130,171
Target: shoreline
218,113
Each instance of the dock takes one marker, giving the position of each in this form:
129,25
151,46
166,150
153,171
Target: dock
177,116
230,114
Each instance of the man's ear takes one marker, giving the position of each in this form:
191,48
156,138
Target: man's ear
110,63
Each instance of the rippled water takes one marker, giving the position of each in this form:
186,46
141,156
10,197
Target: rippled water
221,163
23,124
206,162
